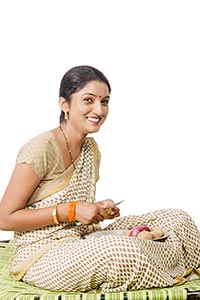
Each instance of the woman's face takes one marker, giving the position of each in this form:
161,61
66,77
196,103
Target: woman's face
88,108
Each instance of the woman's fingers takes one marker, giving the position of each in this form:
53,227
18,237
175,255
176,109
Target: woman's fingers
104,203
113,213
100,217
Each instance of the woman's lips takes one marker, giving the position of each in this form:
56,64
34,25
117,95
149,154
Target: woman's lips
94,120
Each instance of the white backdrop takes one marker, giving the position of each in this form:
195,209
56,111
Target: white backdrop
149,50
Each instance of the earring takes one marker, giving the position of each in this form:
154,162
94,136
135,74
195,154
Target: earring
66,115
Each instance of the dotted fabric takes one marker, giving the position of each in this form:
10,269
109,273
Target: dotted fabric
81,188
18,290
109,263
117,263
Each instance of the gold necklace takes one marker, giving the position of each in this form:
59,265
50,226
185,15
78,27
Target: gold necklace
68,147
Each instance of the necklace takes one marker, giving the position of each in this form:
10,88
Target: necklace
70,154
68,147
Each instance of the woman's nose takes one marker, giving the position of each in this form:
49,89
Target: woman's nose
98,108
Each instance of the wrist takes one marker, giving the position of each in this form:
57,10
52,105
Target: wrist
66,212
55,215
62,212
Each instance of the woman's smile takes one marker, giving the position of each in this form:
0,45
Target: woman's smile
94,120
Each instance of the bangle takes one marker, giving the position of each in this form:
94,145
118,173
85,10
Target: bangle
71,211
54,215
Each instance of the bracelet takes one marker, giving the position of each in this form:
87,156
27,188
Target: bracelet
71,211
54,215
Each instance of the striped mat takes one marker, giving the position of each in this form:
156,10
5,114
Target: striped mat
14,290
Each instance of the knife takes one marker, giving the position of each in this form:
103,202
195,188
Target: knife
109,209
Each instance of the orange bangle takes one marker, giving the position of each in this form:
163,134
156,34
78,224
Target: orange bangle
71,211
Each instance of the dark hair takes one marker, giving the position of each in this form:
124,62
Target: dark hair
76,78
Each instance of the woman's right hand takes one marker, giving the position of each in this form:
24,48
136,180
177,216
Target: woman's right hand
88,213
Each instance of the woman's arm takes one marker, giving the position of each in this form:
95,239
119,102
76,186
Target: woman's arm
14,216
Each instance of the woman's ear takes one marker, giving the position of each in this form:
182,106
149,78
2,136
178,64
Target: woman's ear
64,105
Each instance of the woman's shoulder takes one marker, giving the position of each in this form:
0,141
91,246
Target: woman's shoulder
42,146
91,141
42,137
40,141
41,152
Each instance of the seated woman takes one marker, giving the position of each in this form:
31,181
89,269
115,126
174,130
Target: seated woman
50,205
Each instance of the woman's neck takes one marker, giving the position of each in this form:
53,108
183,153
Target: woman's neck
75,138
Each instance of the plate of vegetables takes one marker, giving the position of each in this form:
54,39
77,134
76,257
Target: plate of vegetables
155,233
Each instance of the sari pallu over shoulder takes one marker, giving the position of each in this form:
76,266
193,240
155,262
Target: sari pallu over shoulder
62,180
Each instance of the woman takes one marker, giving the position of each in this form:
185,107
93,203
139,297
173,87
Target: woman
50,205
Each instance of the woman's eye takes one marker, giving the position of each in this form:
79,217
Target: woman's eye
104,101
89,100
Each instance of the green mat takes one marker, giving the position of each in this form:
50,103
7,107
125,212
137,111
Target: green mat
14,290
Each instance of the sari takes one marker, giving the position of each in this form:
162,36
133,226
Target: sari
57,257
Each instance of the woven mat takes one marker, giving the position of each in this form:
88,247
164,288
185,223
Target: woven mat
14,290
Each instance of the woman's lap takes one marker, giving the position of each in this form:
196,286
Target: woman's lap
114,263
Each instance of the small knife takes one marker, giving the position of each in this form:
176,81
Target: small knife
109,209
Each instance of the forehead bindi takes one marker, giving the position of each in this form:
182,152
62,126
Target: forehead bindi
93,95
96,96
98,90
